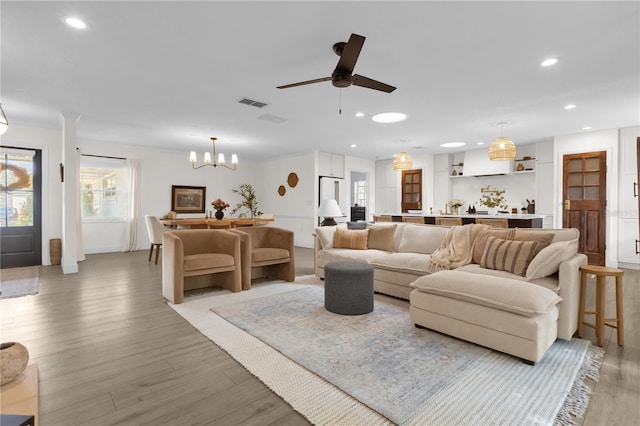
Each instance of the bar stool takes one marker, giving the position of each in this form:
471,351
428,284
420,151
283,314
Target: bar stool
601,272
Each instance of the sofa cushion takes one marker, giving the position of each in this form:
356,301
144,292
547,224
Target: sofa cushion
351,239
510,256
547,261
263,254
550,282
519,297
194,262
414,262
481,241
381,237
348,255
423,239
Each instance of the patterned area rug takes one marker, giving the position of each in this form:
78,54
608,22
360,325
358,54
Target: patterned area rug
379,367
18,282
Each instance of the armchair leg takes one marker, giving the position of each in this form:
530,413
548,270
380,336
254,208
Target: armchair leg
157,252
151,252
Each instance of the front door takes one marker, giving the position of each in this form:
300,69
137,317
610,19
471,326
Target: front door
411,190
585,201
20,207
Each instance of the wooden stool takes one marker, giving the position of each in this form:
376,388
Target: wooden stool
601,272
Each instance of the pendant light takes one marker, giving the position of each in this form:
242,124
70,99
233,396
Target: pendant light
503,148
217,161
402,160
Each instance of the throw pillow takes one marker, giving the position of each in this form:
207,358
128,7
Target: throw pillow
381,237
325,235
423,239
357,225
543,238
481,241
547,261
351,239
510,256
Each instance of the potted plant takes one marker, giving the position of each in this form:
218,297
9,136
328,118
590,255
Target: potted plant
249,200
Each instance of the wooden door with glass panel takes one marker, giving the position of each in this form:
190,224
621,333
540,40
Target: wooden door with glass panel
585,201
411,190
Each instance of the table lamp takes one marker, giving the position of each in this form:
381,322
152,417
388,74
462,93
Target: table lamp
329,209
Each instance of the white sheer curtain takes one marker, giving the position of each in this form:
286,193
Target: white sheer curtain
79,243
133,211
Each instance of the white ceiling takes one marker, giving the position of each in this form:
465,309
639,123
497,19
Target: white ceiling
170,74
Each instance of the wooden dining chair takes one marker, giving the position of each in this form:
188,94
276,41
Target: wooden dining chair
493,222
448,221
381,218
219,224
413,219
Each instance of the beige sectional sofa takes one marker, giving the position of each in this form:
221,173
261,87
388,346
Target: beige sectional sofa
401,254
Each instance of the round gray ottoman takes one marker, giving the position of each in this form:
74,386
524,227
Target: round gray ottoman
348,288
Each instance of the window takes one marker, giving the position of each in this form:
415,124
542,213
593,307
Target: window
360,191
104,189
16,187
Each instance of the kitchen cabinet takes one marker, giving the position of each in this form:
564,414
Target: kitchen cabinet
628,242
330,164
628,192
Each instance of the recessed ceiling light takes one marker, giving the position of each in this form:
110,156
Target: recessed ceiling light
389,117
75,23
353,145
480,143
587,128
359,114
452,144
570,106
548,62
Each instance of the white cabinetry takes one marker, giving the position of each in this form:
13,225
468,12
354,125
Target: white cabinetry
441,184
628,232
330,164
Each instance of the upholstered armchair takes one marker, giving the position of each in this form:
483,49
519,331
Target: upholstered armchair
267,251
191,252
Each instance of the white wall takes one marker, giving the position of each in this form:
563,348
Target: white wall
605,140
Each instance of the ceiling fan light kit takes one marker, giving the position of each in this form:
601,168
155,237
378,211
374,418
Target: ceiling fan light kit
342,75
220,161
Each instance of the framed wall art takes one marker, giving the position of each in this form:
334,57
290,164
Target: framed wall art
188,199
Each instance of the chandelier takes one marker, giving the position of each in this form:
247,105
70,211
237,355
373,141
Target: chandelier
220,161
502,148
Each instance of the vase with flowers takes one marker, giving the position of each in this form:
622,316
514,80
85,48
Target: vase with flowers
493,199
219,206
455,205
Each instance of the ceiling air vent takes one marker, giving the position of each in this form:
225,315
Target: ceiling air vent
253,103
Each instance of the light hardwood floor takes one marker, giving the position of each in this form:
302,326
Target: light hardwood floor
110,351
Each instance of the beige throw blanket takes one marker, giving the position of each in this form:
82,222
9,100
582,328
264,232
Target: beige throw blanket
456,249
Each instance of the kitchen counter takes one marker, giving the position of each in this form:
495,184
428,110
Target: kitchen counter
515,220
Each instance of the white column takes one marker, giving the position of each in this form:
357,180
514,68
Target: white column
69,193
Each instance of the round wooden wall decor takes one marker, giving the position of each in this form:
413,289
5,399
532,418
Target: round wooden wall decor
292,180
282,190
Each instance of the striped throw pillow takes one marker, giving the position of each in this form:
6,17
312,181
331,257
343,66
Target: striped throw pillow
351,239
511,256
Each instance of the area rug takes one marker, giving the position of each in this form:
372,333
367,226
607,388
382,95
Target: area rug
390,378
18,282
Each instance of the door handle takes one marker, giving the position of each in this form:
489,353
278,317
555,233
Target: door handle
635,189
637,246
567,204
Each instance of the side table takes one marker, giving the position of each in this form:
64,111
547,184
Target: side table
601,273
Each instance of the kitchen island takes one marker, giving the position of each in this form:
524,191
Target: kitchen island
515,220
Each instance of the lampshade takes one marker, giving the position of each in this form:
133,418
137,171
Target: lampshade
4,123
402,161
502,149
211,159
329,209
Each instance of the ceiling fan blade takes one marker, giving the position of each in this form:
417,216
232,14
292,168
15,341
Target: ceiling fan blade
302,83
369,83
350,54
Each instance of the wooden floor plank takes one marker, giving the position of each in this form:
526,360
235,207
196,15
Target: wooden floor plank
110,351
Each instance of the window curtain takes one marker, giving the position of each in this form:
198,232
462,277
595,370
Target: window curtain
133,210
79,243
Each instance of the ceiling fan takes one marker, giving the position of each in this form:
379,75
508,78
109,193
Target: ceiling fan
342,75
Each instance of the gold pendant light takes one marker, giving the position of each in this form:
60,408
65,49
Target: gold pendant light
503,148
